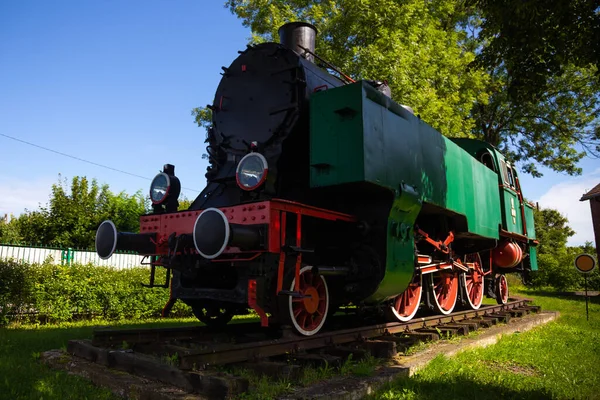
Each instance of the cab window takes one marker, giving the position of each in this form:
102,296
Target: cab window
511,180
486,159
504,172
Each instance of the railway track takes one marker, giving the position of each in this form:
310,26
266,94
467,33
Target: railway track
185,356
200,347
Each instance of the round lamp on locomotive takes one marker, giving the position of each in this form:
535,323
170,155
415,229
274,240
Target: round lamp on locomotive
251,171
165,189
159,188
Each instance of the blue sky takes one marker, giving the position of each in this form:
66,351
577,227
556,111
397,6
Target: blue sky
114,83
111,82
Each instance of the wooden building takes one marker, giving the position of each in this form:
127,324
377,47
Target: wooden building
594,197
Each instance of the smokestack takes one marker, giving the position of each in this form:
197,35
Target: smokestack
295,34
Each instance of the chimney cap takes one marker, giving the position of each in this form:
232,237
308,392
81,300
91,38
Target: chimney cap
299,37
296,24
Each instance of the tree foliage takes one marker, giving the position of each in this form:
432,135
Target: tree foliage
552,230
411,44
519,75
9,232
184,204
547,131
73,214
555,258
536,40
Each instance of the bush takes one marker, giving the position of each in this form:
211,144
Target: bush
558,271
49,292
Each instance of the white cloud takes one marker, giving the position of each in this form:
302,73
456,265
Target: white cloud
18,195
565,196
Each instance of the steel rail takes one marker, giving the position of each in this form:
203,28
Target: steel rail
112,336
294,344
225,353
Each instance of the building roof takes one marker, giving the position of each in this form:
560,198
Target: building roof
595,192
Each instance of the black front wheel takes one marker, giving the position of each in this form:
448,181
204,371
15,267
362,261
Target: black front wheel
212,315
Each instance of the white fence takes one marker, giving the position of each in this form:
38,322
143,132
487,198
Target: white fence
66,256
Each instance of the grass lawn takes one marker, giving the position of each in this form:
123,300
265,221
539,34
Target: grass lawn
559,360
23,376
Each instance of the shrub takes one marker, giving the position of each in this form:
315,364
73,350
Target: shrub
63,293
558,271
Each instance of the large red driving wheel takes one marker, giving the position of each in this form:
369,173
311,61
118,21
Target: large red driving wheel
444,286
308,314
406,305
501,290
473,281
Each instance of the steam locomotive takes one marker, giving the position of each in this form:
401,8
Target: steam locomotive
322,192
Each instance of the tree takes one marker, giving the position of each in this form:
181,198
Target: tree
74,213
555,260
544,131
9,231
184,204
543,60
552,230
426,51
536,40
411,44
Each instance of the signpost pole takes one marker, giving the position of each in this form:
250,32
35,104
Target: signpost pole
587,314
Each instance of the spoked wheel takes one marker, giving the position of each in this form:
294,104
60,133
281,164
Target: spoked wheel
501,289
444,286
308,314
212,316
473,281
406,305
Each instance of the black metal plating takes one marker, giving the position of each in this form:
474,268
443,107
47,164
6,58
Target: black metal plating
239,294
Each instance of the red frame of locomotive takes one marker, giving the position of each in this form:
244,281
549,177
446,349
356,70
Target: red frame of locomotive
273,213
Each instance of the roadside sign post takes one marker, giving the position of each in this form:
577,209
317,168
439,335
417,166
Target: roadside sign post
585,264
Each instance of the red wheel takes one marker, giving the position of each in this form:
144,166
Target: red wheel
444,285
501,290
406,305
473,281
309,314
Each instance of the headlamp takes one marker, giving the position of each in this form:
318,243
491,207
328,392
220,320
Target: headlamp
251,171
159,188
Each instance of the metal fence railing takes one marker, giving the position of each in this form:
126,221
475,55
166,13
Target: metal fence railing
68,256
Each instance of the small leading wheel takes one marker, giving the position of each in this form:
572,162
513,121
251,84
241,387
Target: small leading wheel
308,314
501,289
444,287
406,305
473,281
212,315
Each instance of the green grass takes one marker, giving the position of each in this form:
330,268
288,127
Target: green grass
23,376
263,387
560,360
